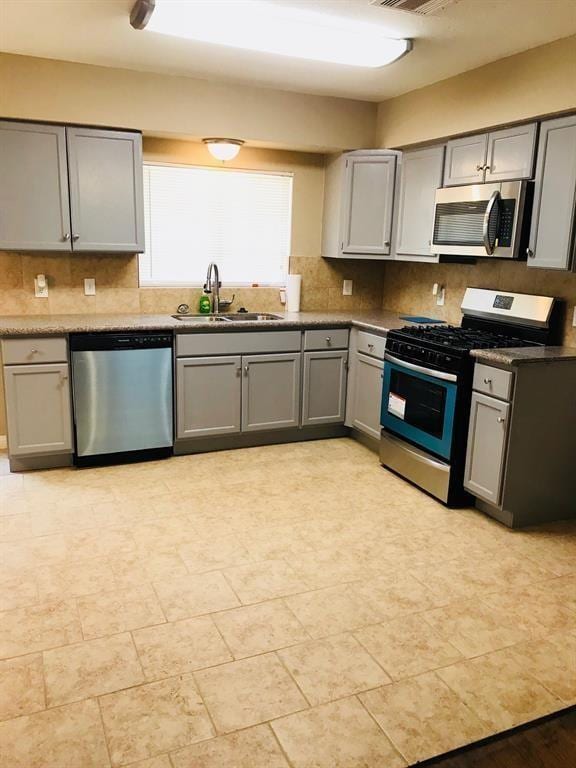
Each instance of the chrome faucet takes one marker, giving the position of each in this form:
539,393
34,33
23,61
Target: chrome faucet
213,286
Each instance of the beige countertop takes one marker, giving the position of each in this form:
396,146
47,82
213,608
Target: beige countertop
47,325
520,355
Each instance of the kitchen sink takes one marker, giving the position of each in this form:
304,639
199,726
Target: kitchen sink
238,317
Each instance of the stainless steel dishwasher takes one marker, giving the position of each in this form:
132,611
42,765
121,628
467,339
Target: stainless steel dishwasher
122,391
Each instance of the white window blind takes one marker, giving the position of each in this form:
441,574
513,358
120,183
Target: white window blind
239,219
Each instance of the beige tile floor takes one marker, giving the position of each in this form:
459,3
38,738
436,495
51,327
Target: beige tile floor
287,606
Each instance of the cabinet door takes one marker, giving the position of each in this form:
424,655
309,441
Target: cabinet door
34,208
270,391
553,215
511,153
106,197
421,176
324,398
486,451
367,206
38,409
366,389
465,160
208,396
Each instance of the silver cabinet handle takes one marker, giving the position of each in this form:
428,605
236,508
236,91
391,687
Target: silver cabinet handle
239,370
530,253
387,244
66,236
329,340
246,369
479,167
500,420
487,381
370,346
75,237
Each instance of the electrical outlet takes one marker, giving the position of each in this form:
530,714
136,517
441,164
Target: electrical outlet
282,296
89,286
574,318
441,296
347,288
40,287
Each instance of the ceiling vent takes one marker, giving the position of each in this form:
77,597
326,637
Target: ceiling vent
421,7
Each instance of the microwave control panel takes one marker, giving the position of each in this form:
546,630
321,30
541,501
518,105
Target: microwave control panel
506,228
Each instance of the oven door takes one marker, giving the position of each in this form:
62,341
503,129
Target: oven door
478,220
418,404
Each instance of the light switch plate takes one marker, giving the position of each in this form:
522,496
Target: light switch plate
40,293
89,286
347,288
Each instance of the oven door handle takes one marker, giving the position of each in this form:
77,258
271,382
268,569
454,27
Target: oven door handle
420,369
486,223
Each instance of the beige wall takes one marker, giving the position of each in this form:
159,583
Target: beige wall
45,89
530,84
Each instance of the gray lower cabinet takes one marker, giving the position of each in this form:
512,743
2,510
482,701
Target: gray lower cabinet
486,451
366,392
208,396
270,391
34,207
106,197
38,409
553,232
324,391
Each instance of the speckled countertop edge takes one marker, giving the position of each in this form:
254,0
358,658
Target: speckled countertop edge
50,325
520,355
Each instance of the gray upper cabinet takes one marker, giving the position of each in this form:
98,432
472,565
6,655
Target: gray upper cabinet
368,199
552,237
38,409
486,451
34,207
420,177
358,204
70,189
366,394
510,153
105,173
208,396
497,156
324,393
270,391
465,160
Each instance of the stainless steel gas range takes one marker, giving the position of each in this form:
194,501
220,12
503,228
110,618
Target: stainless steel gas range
428,382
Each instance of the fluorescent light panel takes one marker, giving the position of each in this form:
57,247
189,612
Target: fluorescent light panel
271,28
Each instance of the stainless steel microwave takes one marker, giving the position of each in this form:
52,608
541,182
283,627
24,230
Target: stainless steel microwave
481,220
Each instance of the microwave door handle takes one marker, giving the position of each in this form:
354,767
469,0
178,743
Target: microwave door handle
486,223
444,375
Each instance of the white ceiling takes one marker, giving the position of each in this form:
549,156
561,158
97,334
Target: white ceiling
461,37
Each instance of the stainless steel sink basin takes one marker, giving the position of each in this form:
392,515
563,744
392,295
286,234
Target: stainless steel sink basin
238,317
201,318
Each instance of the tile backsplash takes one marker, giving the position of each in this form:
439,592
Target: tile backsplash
117,288
408,287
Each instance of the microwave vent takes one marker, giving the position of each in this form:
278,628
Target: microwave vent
421,7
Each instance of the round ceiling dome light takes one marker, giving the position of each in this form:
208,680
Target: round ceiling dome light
223,149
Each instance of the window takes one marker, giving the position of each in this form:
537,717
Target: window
239,219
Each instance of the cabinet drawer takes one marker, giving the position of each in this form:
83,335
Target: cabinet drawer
493,381
188,345
34,350
327,338
370,344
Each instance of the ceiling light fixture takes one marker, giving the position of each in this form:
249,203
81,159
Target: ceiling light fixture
271,28
223,149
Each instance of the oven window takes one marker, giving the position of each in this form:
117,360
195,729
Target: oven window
425,402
